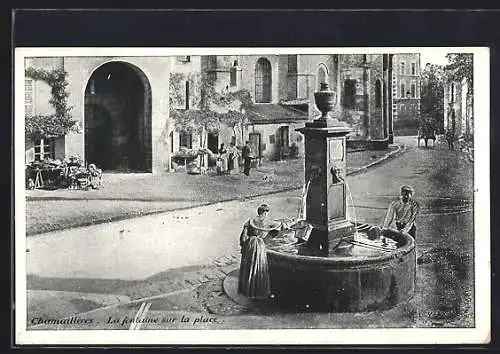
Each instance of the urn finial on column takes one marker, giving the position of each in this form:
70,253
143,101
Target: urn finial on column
325,101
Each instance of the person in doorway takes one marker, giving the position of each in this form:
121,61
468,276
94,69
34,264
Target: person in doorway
247,158
253,280
233,164
403,213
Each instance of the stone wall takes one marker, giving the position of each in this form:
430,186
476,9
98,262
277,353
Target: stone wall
365,118
317,68
248,64
461,103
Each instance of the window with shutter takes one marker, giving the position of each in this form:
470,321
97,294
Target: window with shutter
187,95
232,77
186,139
44,149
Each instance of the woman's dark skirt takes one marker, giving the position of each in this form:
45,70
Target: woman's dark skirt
254,272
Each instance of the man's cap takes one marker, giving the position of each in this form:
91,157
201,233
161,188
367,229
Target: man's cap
262,208
407,188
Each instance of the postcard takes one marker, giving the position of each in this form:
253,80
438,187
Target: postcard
252,196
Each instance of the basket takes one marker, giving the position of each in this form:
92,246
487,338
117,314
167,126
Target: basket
300,229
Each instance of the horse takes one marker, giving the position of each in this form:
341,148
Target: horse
426,133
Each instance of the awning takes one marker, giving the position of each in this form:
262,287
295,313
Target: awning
268,113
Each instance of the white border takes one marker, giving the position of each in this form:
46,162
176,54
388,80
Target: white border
480,334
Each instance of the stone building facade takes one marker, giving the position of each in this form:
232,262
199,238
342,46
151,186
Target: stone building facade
458,109
122,104
364,100
406,93
281,82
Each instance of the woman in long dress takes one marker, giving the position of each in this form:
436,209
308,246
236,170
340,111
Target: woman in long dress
233,164
253,279
223,158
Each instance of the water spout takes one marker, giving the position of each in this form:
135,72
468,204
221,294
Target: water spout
302,210
353,209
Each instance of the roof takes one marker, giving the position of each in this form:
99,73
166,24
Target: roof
275,113
295,102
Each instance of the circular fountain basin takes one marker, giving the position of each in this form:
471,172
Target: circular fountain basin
360,278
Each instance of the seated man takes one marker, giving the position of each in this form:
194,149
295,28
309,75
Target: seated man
403,213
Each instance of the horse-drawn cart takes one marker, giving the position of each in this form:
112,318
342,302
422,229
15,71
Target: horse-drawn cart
426,133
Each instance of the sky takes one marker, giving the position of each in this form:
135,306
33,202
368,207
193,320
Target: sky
433,56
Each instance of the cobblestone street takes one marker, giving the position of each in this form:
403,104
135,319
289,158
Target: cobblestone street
178,260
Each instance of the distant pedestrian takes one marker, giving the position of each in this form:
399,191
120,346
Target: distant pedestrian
247,155
449,138
403,213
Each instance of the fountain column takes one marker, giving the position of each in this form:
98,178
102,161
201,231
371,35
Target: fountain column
324,273
325,169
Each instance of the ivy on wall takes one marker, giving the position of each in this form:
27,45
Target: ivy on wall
211,109
61,122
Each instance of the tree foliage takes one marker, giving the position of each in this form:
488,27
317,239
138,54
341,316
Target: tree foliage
59,123
460,66
48,126
432,96
211,110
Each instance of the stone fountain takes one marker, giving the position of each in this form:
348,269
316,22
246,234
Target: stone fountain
339,266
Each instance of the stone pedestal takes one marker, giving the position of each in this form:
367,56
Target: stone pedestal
325,171
344,283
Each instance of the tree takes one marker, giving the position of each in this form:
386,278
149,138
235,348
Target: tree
195,120
460,66
61,122
211,109
432,95
239,103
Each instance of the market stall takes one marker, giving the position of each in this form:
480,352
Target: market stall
55,174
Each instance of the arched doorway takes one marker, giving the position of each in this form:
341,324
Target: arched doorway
263,81
118,119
